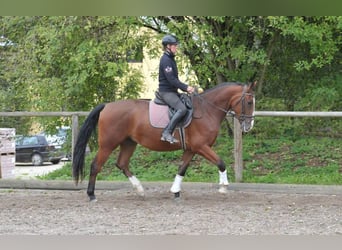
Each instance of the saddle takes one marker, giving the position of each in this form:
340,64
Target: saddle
160,113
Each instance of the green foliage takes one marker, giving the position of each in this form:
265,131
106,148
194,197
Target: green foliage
218,48
69,63
289,56
321,33
322,98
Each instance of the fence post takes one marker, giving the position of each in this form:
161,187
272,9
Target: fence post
74,131
238,165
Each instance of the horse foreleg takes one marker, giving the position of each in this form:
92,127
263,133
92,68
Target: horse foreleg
177,183
223,189
176,186
211,156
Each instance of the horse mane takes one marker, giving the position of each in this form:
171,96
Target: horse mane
223,84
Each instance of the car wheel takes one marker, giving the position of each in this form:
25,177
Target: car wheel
37,160
55,161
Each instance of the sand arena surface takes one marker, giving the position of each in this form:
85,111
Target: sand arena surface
201,210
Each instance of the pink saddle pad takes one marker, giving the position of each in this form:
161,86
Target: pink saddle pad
159,115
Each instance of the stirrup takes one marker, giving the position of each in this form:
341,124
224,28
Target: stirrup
169,138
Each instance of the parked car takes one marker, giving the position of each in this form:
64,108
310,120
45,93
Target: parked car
60,141
36,149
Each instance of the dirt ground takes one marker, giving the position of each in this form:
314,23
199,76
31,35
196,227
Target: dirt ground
200,211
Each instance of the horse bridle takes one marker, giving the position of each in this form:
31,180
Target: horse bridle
242,116
230,112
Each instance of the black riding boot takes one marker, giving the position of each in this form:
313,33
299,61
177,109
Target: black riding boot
168,130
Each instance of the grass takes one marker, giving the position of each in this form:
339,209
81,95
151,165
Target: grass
307,160
286,159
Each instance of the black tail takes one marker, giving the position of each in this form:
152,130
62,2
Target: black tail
86,130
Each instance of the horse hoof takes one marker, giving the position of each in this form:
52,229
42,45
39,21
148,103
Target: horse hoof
140,190
92,199
223,189
177,195
141,194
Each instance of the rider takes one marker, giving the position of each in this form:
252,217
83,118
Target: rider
169,85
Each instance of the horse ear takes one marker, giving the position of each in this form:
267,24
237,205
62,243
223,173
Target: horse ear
252,86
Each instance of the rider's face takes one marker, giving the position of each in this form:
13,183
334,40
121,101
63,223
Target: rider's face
173,48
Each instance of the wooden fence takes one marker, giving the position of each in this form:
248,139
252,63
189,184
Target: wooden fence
238,165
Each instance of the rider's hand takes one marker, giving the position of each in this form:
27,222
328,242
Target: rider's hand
190,89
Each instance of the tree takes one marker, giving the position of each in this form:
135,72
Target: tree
308,54
70,63
73,63
286,55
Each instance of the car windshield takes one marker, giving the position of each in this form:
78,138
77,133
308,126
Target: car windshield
30,140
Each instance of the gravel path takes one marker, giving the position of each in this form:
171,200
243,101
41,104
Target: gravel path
25,171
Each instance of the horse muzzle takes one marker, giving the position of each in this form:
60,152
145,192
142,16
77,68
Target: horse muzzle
247,125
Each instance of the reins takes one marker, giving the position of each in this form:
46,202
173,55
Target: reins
230,111
212,104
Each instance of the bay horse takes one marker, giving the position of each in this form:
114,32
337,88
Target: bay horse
125,123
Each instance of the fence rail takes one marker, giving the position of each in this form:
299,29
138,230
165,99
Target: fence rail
238,165
299,113
26,113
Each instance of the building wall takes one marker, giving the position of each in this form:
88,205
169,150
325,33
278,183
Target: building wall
149,69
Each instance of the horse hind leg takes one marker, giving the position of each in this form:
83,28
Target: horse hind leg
96,166
137,185
127,149
92,180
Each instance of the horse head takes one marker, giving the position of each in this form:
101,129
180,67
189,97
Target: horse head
243,106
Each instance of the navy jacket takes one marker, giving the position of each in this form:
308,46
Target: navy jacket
168,74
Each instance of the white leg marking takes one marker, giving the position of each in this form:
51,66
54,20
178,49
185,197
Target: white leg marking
176,186
137,185
223,182
223,178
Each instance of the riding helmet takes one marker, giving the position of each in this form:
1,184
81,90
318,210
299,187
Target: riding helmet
169,39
